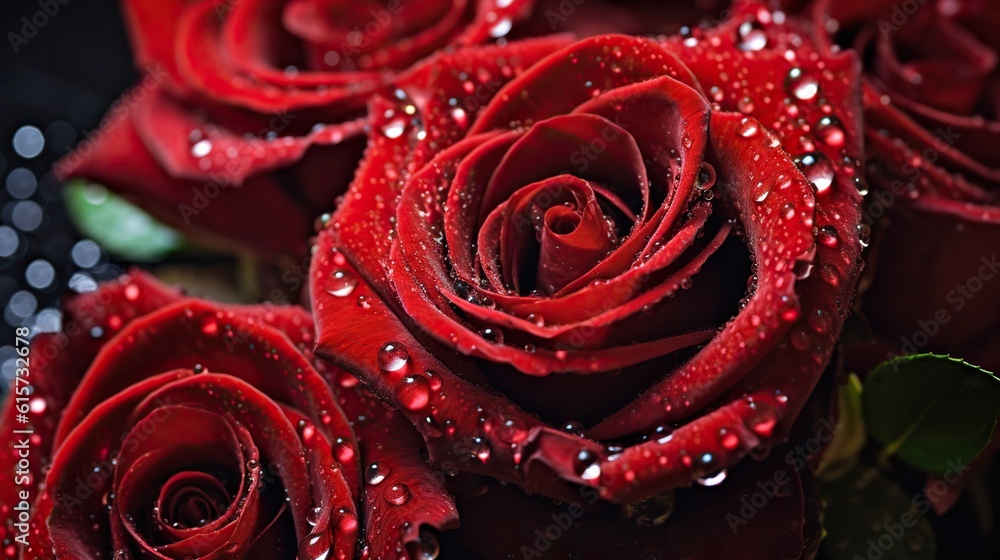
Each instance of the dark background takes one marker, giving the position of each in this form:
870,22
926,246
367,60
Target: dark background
60,81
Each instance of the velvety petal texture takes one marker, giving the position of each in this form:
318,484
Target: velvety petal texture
176,428
679,223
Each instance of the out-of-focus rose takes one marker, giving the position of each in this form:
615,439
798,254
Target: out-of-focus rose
672,219
169,427
931,99
635,17
245,124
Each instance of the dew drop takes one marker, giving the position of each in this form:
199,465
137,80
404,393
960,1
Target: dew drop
573,427
321,221
312,516
802,269
801,339
586,465
827,236
201,148
537,319
818,169
801,85
728,440
426,547
763,422
315,546
830,132
413,392
512,430
829,274
820,320
493,334
713,479
210,327
343,451
788,211
376,473
751,36
346,521
480,449
747,128
864,234
398,494
131,292
393,357
394,128
501,28
341,283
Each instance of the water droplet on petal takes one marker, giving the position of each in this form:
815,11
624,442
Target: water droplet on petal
501,28
376,473
312,516
426,547
830,132
413,392
827,236
801,339
131,292
712,479
763,421
512,430
573,427
820,320
747,127
864,234
728,440
480,449
801,85
493,334
210,327
201,148
394,128
393,357
341,283
586,465
397,494
818,169
751,36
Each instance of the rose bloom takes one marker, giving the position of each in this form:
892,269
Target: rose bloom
616,275
170,427
931,127
246,122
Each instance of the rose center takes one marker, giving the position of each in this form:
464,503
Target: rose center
192,499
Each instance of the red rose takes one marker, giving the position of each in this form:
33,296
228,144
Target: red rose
169,427
606,225
245,124
931,127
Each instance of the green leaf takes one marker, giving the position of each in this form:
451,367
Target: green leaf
117,225
849,439
931,410
869,516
